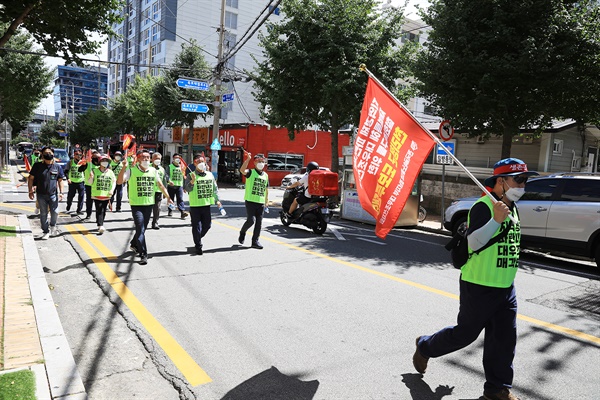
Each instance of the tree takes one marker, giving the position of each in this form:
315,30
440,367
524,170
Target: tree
93,125
134,110
49,134
23,81
61,26
168,97
310,74
495,66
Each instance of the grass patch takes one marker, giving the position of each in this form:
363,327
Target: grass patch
8,231
17,385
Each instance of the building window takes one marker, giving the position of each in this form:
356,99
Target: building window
130,27
145,16
155,10
144,57
274,10
409,37
232,3
557,149
230,20
146,37
154,51
130,47
155,33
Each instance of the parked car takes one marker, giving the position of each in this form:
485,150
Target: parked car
559,213
61,157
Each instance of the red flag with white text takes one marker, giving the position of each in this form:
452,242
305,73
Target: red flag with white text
27,163
389,151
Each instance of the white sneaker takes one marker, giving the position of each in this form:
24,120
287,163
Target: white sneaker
37,211
54,231
45,236
101,230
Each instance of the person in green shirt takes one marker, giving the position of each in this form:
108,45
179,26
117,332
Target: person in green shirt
35,156
256,197
142,180
156,163
116,166
103,182
74,173
175,178
202,190
488,298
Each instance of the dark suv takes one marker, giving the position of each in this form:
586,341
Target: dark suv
559,212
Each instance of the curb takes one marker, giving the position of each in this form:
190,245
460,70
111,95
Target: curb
61,371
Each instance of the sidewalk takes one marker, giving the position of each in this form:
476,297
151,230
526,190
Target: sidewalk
32,333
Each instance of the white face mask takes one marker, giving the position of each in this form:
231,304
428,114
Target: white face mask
156,162
145,164
260,166
104,164
117,158
201,166
514,193
176,161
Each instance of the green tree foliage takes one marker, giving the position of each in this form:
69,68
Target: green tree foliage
23,81
134,111
167,96
91,126
49,134
495,66
310,75
62,27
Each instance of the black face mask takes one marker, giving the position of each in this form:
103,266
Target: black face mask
95,161
48,156
36,154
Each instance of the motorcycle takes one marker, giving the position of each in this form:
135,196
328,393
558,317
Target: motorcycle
314,215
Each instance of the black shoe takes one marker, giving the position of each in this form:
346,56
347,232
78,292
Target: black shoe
256,245
242,237
143,259
170,213
155,226
184,215
119,210
419,361
199,251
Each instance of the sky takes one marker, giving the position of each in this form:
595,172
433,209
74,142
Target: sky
47,105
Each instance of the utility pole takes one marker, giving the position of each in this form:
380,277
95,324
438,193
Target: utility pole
218,80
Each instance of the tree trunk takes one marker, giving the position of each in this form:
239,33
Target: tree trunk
507,136
10,31
335,164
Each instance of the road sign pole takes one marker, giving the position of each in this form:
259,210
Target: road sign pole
443,193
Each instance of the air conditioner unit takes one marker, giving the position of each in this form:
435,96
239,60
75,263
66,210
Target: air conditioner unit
528,139
480,139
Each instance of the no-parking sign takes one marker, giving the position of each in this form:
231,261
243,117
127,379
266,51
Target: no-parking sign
446,131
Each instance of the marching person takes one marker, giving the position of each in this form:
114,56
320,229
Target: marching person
116,166
488,299
156,163
74,173
89,202
47,177
175,184
103,182
142,180
202,190
256,197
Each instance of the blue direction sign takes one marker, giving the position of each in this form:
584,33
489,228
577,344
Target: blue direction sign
194,107
192,84
442,156
227,97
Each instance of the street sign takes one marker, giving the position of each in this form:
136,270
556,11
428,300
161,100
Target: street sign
215,145
187,83
194,107
227,97
441,156
446,131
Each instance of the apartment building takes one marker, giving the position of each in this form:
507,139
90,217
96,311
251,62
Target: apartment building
77,90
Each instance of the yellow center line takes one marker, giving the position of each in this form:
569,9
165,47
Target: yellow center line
558,328
15,206
180,358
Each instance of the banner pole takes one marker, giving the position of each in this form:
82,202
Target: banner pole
364,68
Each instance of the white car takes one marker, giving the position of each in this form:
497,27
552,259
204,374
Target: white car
293,177
559,212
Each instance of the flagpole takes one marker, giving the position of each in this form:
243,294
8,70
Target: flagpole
364,68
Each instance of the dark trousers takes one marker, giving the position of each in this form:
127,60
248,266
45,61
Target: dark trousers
101,206
141,217
254,216
176,192
118,193
482,307
156,208
78,188
201,222
88,201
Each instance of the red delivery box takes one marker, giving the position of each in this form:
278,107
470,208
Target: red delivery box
323,183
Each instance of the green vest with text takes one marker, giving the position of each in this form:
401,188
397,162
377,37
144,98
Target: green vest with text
103,182
203,193
256,187
160,171
74,175
116,166
140,187
497,265
175,175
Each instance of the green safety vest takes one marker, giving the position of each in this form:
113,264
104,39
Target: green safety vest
74,175
256,187
203,193
34,158
141,186
160,171
87,171
175,175
497,265
116,166
103,182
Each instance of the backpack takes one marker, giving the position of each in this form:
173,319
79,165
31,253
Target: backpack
459,249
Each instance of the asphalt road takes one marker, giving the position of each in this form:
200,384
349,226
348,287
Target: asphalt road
335,315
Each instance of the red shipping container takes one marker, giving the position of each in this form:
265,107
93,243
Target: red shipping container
323,183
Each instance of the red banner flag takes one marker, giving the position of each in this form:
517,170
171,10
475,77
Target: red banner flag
183,166
127,139
132,151
27,164
389,152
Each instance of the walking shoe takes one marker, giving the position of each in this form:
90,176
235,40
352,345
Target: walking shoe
37,211
419,361
199,250
502,394
133,248
54,231
242,237
143,259
79,212
101,230
184,214
170,213
155,226
45,236
256,245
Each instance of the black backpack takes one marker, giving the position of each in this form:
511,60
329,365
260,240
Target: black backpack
459,250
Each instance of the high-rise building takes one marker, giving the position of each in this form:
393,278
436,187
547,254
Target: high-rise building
153,31
77,90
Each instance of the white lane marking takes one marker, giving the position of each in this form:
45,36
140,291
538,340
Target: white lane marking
372,241
337,234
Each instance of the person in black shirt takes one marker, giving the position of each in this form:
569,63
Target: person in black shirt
47,176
